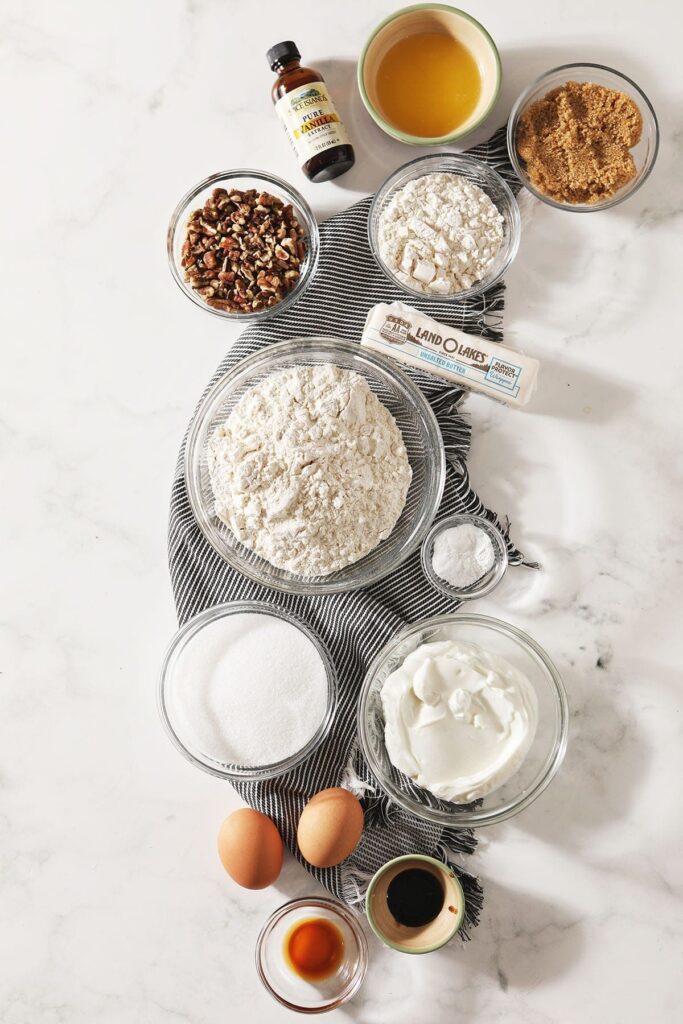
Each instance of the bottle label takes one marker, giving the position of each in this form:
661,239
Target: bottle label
311,121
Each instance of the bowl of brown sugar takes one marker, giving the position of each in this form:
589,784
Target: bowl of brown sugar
583,137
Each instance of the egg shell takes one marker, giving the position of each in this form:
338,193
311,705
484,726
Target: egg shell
330,827
250,848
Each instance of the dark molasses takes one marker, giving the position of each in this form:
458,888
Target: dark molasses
415,897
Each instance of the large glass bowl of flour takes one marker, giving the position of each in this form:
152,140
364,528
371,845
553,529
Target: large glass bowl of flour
414,418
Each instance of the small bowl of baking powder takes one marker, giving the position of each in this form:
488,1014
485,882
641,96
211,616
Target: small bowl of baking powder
444,227
464,556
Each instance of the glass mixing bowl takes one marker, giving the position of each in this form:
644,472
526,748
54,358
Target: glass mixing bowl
243,179
644,154
548,747
480,174
421,436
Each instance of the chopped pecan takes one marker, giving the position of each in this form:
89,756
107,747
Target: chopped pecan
243,250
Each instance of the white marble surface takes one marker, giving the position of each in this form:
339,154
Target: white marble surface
113,906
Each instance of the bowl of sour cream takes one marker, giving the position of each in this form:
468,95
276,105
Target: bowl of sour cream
463,720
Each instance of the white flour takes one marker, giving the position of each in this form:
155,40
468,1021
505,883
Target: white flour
440,233
462,555
309,470
248,689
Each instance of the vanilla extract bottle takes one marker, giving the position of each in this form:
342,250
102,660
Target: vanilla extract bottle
303,104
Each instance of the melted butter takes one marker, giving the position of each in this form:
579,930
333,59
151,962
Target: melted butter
428,84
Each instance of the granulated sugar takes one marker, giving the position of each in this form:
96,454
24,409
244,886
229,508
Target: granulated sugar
248,689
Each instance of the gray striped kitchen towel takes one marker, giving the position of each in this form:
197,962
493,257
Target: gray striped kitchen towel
353,626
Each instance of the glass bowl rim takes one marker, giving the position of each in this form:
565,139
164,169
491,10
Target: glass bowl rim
293,196
193,626
514,225
521,102
350,918
426,140
409,390
477,819
500,564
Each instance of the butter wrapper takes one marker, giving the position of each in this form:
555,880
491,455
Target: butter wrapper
465,359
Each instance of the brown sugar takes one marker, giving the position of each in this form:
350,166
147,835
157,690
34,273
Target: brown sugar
576,142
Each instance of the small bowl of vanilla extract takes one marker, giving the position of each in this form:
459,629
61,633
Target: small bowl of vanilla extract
415,904
312,954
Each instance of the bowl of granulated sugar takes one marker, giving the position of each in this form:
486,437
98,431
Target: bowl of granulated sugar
464,556
247,691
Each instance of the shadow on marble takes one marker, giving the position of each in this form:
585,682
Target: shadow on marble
493,452
522,942
605,765
577,393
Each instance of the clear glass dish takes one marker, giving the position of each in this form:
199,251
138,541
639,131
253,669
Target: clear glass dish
548,747
489,581
644,154
287,987
243,179
480,174
170,703
421,435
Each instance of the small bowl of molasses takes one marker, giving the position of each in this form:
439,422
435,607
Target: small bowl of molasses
415,904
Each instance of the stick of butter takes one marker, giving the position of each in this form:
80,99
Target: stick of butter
466,359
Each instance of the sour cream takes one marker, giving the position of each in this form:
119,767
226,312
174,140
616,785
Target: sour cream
459,721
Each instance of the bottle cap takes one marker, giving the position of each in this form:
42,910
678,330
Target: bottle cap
282,53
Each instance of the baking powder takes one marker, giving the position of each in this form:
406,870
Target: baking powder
462,555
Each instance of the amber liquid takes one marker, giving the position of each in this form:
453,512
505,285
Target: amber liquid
314,948
427,84
331,162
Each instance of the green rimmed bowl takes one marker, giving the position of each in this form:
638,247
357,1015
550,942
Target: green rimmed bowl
425,938
431,18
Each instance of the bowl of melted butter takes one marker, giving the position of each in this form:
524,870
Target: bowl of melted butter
429,74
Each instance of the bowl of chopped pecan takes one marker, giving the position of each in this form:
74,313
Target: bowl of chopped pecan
243,244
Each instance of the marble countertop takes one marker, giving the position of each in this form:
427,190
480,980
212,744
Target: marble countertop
114,908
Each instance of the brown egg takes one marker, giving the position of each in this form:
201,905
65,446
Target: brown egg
250,848
330,827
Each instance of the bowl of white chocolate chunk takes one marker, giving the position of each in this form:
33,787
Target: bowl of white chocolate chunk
315,466
462,720
444,227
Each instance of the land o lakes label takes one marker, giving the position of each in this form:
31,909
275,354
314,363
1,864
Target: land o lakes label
473,362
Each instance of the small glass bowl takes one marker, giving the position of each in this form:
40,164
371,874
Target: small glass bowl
547,749
480,174
421,436
489,581
243,179
170,703
287,987
644,154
